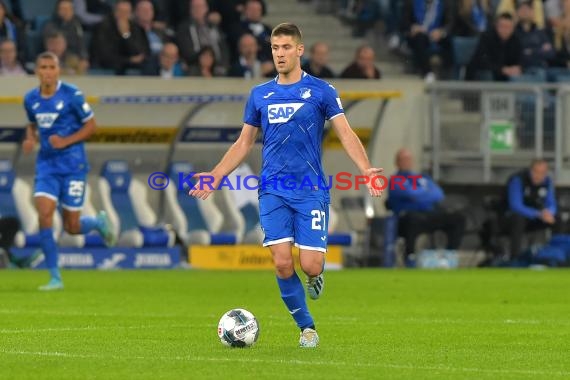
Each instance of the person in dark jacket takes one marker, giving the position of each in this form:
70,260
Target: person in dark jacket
498,55
66,22
317,65
472,17
363,66
416,199
119,43
427,26
536,46
531,203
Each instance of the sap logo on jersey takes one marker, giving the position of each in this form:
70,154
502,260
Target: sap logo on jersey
45,120
281,113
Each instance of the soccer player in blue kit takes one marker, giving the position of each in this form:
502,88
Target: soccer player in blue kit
60,120
291,111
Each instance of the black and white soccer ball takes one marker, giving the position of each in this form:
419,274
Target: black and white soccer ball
238,328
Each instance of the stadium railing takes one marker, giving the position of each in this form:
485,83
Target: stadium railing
482,132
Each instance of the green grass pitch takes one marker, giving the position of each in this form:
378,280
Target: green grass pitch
373,324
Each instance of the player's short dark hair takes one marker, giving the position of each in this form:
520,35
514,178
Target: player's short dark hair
288,29
47,55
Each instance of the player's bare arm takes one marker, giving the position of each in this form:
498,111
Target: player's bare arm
31,138
357,153
231,160
60,142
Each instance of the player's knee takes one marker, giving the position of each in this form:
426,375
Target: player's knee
45,218
72,227
314,266
313,269
284,265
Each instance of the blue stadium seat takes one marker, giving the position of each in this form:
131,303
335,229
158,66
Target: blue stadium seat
34,8
463,50
124,198
100,72
196,221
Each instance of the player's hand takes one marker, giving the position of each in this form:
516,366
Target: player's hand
28,145
374,184
206,183
57,142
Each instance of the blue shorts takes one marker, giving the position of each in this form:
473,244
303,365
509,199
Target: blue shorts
69,189
304,223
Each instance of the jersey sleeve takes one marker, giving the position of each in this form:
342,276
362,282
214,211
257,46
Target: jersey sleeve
331,102
29,112
80,107
251,114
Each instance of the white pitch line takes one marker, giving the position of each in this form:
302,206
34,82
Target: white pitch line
89,328
289,362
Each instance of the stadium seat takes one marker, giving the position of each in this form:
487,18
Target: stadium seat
463,50
245,202
125,200
31,9
16,201
195,221
335,237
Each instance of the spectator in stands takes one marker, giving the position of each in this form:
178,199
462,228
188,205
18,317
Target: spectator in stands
416,199
249,63
560,35
510,6
196,32
144,17
363,65
66,22
498,55
168,64
531,203
252,23
223,13
317,63
472,17
92,12
536,47
159,21
10,29
120,44
427,24
206,67
69,63
9,65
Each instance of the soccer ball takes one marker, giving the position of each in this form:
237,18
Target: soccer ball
238,328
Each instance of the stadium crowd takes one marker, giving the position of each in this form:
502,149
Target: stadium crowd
153,37
501,39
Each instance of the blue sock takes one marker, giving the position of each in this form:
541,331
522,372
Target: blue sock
293,294
90,223
47,243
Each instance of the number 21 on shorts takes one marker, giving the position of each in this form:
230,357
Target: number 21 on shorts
318,221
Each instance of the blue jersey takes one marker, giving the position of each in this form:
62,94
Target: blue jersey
292,119
64,113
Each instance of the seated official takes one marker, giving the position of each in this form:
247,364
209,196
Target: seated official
416,198
531,203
